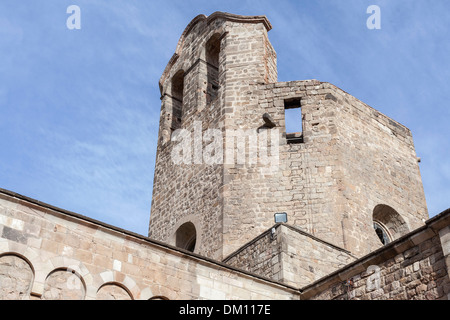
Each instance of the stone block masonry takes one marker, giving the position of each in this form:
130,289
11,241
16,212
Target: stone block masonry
346,175
215,57
346,168
351,160
287,254
49,253
414,267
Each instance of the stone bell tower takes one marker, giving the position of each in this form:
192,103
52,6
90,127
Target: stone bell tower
217,60
227,159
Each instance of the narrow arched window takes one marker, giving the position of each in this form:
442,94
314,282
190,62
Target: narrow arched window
186,236
212,49
381,233
388,223
177,99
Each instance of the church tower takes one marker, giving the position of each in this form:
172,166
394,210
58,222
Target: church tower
228,158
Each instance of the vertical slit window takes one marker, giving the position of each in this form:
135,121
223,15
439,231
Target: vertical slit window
212,64
177,99
293,120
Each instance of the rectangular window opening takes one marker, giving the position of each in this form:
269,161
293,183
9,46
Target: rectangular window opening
293,120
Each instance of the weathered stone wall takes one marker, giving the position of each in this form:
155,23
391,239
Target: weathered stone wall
353,167
352,160
64,285
306,258
414,267
290,255
303,181
191,191
262,256
379,167
188,191
16,277
48,253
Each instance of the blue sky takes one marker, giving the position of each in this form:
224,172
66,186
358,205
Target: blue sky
80,108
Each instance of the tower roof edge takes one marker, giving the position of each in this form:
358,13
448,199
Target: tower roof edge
208,19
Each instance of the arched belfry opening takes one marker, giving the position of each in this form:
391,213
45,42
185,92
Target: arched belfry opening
212,52
177,99
388,223
186,236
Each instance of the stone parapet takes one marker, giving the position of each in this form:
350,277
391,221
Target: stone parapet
50,253
414,267
287,254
